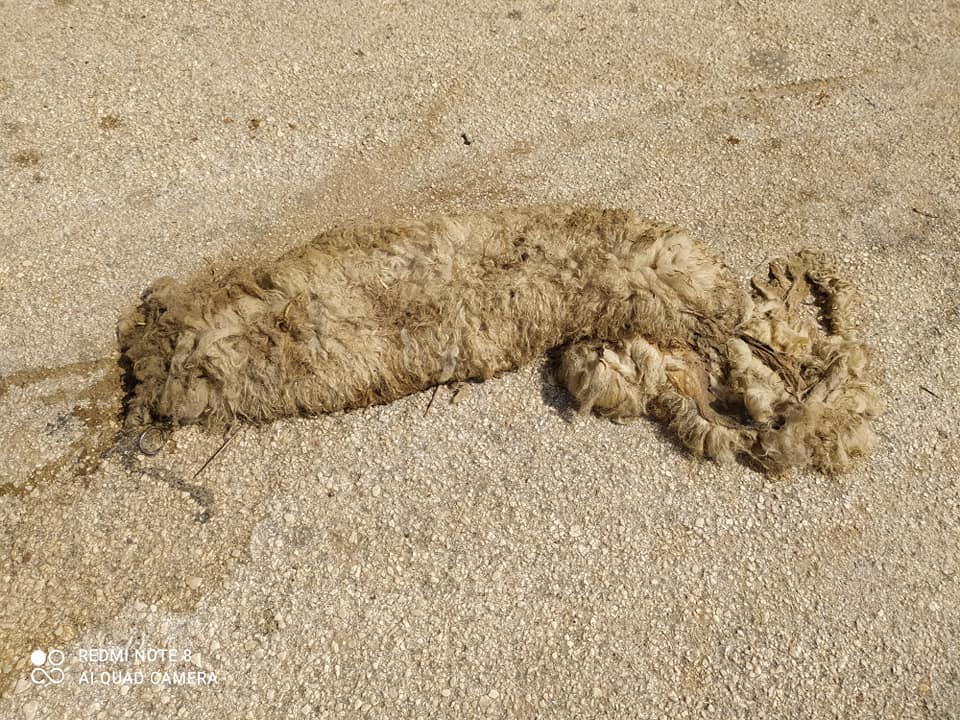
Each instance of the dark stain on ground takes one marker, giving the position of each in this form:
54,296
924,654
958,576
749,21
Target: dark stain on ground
57,426
109,122
97,407
771,146
202,496
27,157
95,412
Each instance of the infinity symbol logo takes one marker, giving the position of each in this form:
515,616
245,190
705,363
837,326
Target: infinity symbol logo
40,675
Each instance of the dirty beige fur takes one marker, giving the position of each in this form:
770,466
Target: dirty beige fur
652,324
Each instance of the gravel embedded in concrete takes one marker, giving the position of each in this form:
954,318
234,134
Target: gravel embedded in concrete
497,556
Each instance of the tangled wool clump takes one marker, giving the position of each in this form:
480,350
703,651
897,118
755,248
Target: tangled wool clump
652,323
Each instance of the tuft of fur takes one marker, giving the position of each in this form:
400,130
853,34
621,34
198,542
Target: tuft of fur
653,324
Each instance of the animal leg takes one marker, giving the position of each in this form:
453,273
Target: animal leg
786,388
632,378
802,380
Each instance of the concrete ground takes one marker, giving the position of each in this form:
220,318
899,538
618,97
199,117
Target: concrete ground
490,557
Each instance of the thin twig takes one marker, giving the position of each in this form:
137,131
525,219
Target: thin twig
930,392
436,389
217,452
925,214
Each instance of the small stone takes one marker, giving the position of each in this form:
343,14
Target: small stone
376,491
460,394
193,582
30,709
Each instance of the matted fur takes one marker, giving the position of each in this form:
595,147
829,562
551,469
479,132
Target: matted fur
652,321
